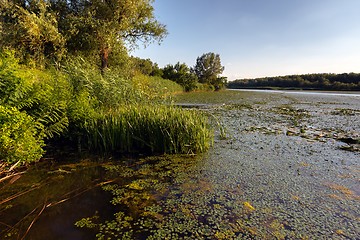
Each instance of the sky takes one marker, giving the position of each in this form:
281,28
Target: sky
259,38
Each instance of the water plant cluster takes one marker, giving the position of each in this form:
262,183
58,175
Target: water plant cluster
168,198
149,129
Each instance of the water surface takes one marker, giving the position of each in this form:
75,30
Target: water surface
282,172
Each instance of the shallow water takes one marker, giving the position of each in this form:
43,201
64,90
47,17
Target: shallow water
281,173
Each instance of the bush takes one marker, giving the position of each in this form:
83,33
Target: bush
19,139
43,95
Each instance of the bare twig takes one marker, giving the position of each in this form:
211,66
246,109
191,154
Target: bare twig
10,176
33,221
17,195
13,166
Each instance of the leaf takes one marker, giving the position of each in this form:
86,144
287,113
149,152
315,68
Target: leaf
248,206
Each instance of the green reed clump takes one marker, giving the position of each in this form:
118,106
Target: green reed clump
150,129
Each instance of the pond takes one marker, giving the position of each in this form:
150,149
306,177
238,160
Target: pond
283,171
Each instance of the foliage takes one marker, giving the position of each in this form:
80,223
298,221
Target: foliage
152,129
42,94
100,26
155,89
19,138
146,67
49,72
181,74
208,69
46,29
325,81
32,30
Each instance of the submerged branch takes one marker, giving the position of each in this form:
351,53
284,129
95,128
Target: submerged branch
33,221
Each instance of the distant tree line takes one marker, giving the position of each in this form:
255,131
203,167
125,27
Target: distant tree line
204,75
322,81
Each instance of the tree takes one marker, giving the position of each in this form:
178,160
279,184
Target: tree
28,27
92,27
208,69
146,67
181,74
101,25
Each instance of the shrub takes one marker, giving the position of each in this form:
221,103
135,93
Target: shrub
19,139
43,94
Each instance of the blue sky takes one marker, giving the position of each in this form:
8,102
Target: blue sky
257,38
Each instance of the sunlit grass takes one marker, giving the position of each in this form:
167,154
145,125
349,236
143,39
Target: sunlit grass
218,97
150,129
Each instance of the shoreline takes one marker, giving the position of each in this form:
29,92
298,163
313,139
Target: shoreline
305,92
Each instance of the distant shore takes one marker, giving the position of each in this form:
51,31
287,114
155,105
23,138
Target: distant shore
300,91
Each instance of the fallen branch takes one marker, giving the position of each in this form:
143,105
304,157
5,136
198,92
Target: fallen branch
18,195
10,176
33,221
13,166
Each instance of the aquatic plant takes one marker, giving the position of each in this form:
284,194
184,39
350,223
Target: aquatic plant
165,198
149,128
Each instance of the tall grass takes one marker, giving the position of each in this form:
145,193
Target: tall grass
155,88
150,129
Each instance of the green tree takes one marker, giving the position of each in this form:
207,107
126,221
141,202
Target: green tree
46,28
146,67
100,26
181,74
208,69
30,29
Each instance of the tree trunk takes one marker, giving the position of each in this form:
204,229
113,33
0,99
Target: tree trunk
104,54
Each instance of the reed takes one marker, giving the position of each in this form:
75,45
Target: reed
149,129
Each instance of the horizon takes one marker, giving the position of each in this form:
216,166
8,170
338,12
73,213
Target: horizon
256,39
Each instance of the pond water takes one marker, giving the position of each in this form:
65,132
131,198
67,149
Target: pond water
282,172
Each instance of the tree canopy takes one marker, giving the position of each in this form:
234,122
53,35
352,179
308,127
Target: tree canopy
48,28
208,69
181,74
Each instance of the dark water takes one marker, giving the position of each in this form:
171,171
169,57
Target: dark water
54,196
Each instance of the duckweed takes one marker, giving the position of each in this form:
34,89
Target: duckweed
167,199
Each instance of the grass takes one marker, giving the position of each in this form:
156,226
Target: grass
155,129
218,97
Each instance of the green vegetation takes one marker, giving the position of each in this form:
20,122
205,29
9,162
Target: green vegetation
46,29
169,198
149,129
19,140
325,81
66,76
208,69
181,74
204,76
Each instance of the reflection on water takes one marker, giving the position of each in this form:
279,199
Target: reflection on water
46,201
